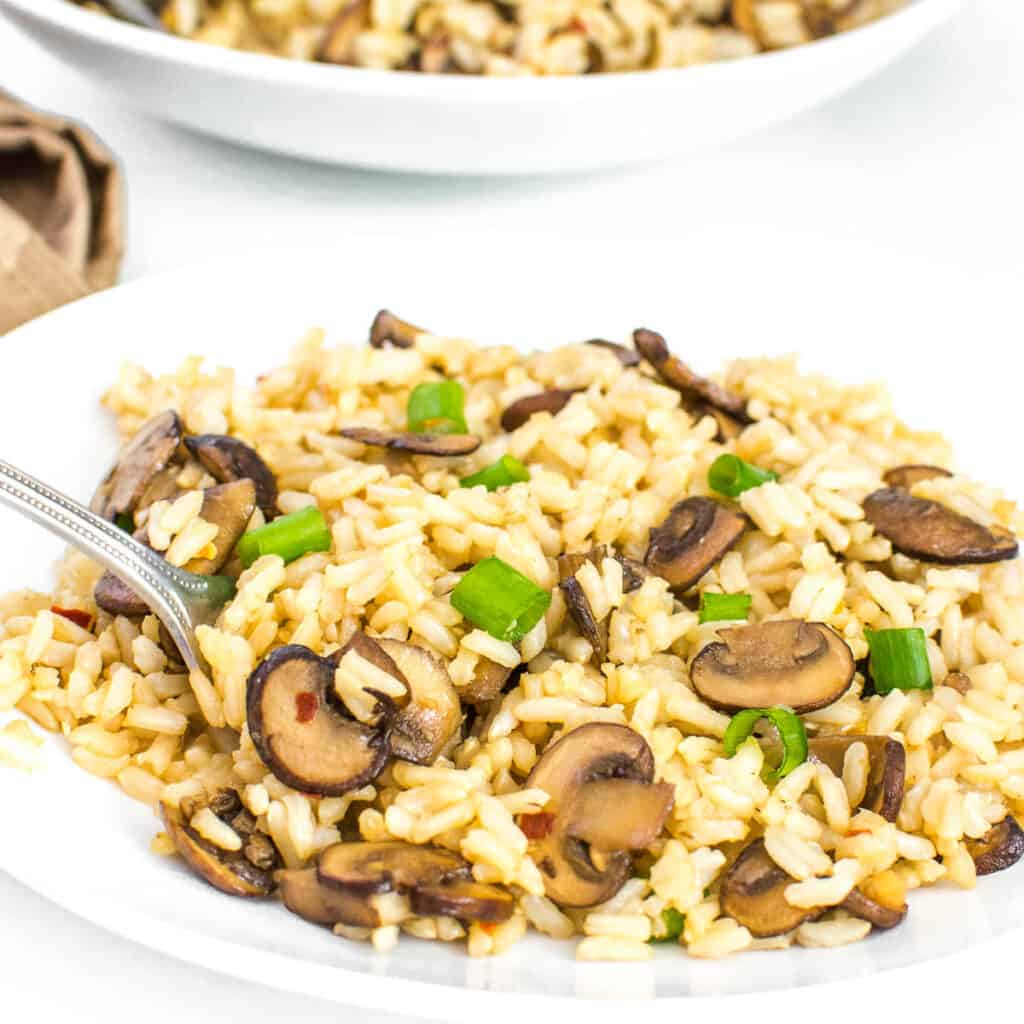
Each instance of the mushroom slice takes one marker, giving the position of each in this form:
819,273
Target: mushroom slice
227,459
999,848
800,665
753,893
302,734
870,908
113,595
163,487
620,814
302,894
589,754
594,632
489,679
228,871
696,533
148,452
418,444
674,372
931,532
387,329
338,46
466,901
229,507
370,650
553,401
433,716
363,869
624,355
906,476
887,763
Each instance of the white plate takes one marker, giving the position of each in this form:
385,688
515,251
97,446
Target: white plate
945,338
457,124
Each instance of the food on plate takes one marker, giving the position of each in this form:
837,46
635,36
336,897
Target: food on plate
579,641
510,37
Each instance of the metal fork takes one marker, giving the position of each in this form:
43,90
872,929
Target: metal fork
181,600
137,12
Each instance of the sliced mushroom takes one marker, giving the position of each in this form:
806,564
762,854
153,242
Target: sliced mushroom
931,532
231,872
163,487
370,650
870,908
887,765
624,355
800,665
113,595
466,901
674,372
229,507
620,814
753,893
303,894
594,632
489,678
338,45
728,428
694,536
418,444
148,452
592,753
362,869
227,459
387,329
999,848
906,476
303,735
433,716
553,401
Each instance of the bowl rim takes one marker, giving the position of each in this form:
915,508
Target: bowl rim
69,18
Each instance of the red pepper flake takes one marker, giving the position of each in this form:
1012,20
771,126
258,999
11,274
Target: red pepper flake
75,615
490,927
537,826
306,705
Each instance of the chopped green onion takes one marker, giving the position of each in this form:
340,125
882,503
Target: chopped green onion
899,659
436,407
731,476
125,521
502,473
674,922
288,536
791,732
722,607
500,600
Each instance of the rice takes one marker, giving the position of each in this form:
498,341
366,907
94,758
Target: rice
604,470
530,37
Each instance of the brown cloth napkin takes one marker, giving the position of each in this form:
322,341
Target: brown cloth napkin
60,213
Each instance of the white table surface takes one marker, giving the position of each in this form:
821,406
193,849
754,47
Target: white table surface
927,158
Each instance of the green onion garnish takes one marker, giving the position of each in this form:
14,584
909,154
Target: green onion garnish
436,407
500,600
731,476
125,521
674,922
502,473
899,659
791,732
723,607
288,536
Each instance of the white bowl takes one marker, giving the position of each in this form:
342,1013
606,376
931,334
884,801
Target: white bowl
458,124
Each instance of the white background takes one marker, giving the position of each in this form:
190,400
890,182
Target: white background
927,160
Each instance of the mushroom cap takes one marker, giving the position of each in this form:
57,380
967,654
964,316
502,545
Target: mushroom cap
418,444
303,894
791,663
489,679
554,400
230,872
592,753
302,735
148,452
906,476
879,914
433,715
363,869
887,761
113,595
229,507
694,536
999,848
753,893
388,329
931,532
227,459
620,814
465,901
